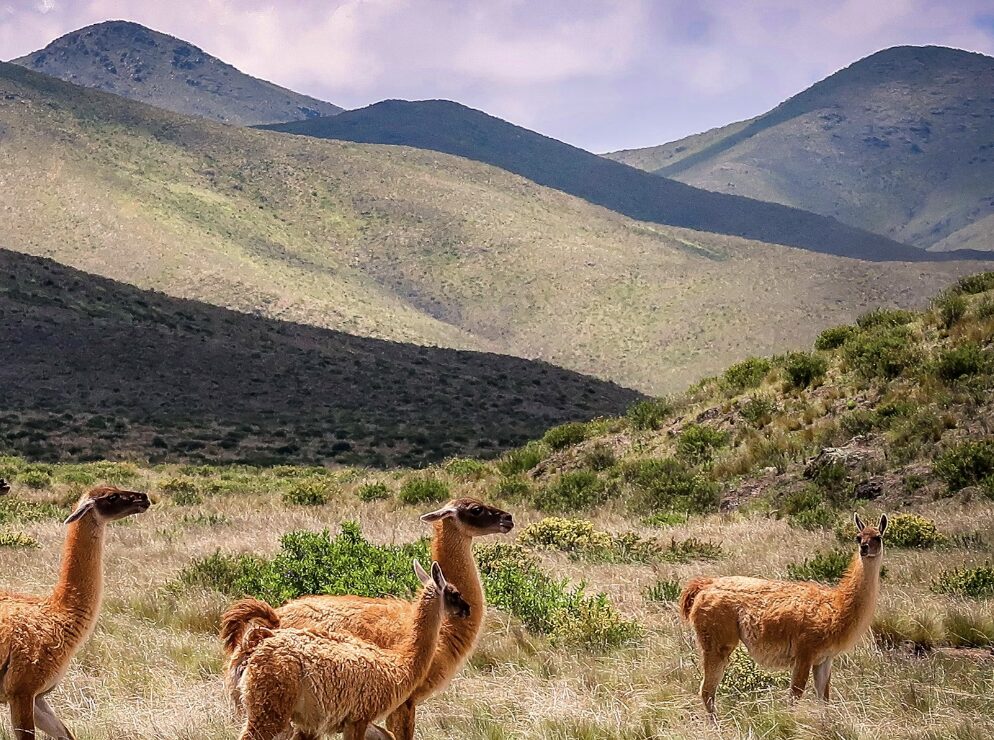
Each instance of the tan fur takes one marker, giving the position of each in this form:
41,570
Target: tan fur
386,622
40,635
784,624
325,683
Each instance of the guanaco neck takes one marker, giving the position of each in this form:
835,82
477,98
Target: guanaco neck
453,549
856,594
80,587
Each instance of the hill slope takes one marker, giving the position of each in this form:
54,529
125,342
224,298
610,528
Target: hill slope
898,143
452,128
97,368
134,61
405,244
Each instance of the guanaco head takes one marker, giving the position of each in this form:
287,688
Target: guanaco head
452,600
870,539
4,487
108,504
472,517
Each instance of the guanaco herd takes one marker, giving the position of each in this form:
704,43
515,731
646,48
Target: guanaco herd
321,665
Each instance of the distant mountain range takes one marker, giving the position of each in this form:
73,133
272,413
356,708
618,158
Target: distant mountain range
444,126
406,244
94,368
136,62
900,143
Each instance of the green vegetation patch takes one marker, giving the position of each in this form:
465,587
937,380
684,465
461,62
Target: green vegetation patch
16,511
307,493
18,540
884,352
835,336
522,459
966,360
572,491
977,583
912,531
376,491
698,443
649,414
825,567
749,373
423,489
968,463
668,484
565,435
804,369
666,590
579,539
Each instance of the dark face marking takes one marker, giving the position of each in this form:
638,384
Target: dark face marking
480,519
117,503
455,604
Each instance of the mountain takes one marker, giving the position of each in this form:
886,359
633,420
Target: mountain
138,63
95,368
406,244
900,143
452,128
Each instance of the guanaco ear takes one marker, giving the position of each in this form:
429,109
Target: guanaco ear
443,513
883,524
420,573
80,511
437,576
858,522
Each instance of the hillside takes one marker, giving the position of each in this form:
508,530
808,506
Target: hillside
94,368
444,126
405,244
756,472
136,62
898,143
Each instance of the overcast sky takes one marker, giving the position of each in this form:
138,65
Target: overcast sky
601,75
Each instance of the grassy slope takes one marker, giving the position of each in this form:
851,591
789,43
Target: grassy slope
405,244
445,126
897,143
138,63
154,654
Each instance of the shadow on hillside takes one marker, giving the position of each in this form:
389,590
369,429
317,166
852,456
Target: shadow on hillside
95,368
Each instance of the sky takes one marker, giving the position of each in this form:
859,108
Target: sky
600,75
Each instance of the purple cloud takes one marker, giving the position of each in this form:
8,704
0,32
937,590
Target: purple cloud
599,74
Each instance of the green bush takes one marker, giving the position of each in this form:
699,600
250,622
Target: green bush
985,309
667,590
579,539
963,361
573,491
649,414
834,337
697,443
17,540
884,317
981,282
885,352
748,373
182,491
915,435
912,530
950,308
669,485
807,509
977,583
17,511
824,567
758,410
423,489
599,457
466,468
690,549
513,488
376,491
966,464
522,459
307,493
743,676
804,369
36,479
565,435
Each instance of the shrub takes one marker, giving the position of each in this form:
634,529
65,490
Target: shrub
834,337
579,539
649,414
667,589
466,468
807,509
376,491
884,317
746,374
697,443
908,437
804,369
423,489
669,485
912,530
36,479
744,676
966,464
17,540
306,493
977,583
523,458
962,361
758,410
573,491
981,282
513,488
182,491
16,511
690,549
565,435
599,457
985,309
950,307
883,353
824,567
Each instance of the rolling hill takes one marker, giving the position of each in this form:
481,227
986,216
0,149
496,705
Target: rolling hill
406,244
94,368
444,126
899,143
136,62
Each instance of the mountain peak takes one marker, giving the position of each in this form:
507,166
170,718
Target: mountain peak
143,64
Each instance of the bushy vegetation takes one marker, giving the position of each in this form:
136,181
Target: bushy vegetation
748,373
522,459
697,443
17,540
977,583
423,489
968,463
17,511
307,493
649,414
572,491
980,282
885,351
758,410
807,509
565,435
581,541
884,317
743,676
963,361
669,485
466,468
825,567
599,457
834,337
912,530
375,491
804,369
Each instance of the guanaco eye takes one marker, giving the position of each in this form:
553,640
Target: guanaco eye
476,510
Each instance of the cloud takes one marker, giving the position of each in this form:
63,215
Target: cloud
599,73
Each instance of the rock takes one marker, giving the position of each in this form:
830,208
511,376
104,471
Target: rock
851,456
869,489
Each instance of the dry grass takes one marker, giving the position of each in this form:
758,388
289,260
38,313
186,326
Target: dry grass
151,670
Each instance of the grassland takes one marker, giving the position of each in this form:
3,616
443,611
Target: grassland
406,245
752,472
